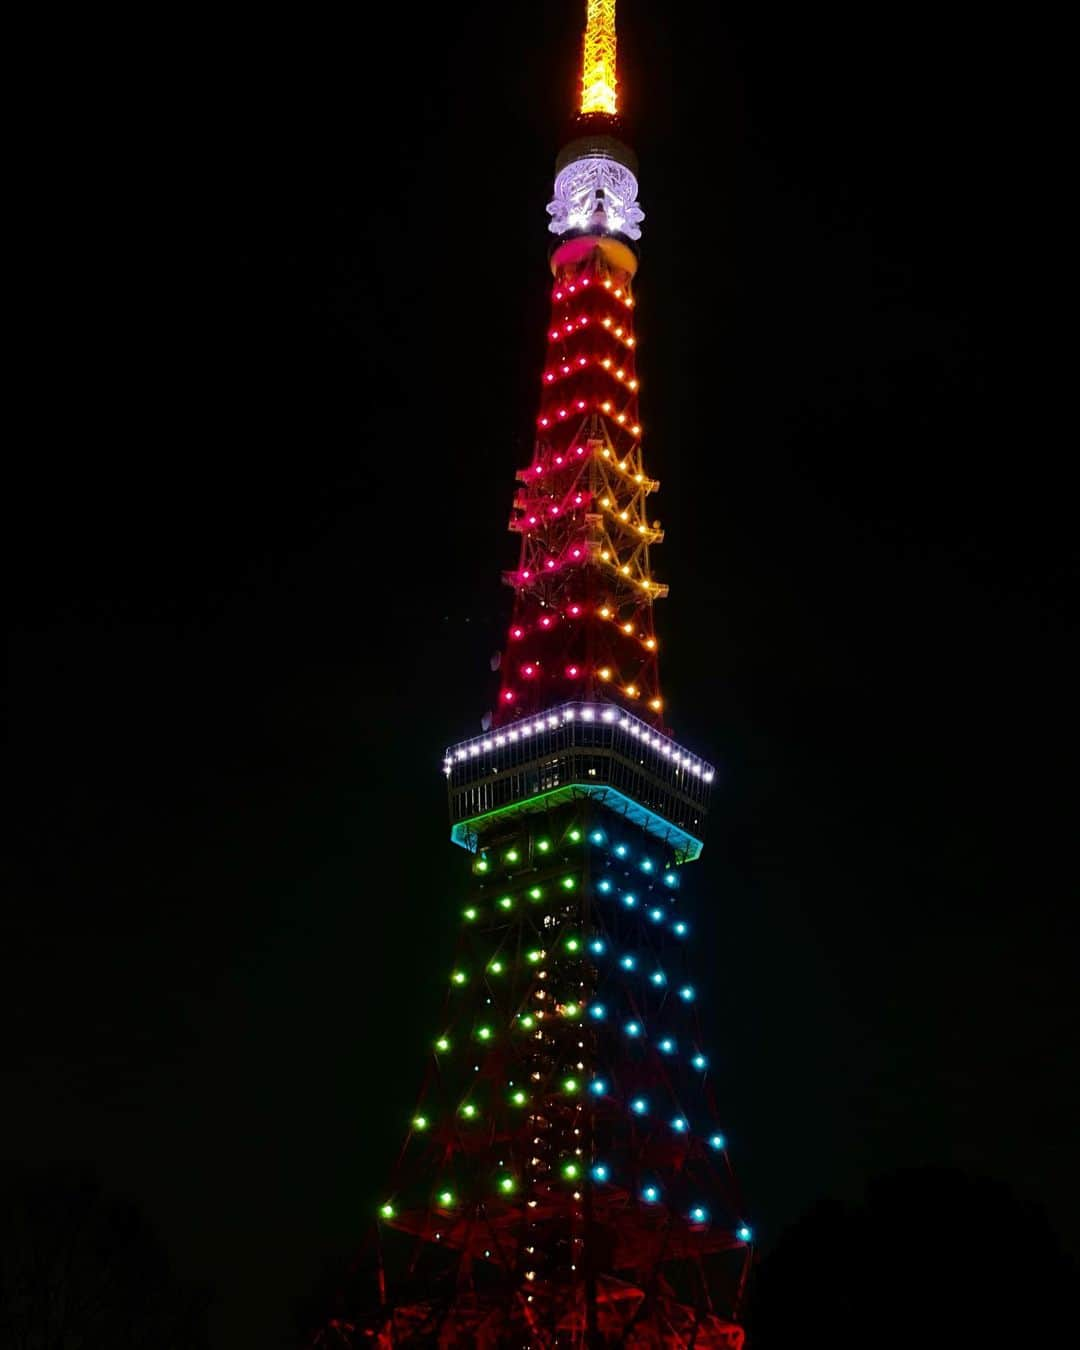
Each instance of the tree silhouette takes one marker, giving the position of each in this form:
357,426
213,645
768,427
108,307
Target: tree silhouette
932,1258
83,1270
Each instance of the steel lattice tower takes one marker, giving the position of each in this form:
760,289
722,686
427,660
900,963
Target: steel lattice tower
565,1181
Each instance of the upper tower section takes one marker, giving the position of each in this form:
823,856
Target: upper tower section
596,173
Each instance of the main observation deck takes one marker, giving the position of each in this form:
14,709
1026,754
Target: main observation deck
580,750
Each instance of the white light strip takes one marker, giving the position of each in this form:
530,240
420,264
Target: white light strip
585,712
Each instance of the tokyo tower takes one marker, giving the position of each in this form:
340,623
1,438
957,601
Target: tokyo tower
564,1179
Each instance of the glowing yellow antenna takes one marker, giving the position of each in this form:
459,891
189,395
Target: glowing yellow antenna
598,80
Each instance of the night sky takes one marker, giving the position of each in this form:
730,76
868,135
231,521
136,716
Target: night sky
256,542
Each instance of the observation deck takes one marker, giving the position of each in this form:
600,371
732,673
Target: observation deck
580,750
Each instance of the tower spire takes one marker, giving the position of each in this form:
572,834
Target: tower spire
599,83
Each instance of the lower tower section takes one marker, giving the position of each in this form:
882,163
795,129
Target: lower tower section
565,1181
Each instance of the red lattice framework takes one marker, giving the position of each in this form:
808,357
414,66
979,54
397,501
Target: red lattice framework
582,622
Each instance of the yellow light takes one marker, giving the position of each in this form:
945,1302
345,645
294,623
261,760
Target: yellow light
641,529
606,363
623,466
608,282
606,556
608,321
630,341
627,627
605,613
606,407
632,690
619,374
618,331
623,515
639,478
604,672
607,454
626,570
633,384
651,644
605,501
598,79
636,429
656,704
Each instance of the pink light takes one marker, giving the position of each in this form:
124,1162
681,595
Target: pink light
554,334
517,632
579,450
562,412
532,520
572,671
575,610
508,696
539,470
569,328
545,622
551,564
571,289
550,378
528,670
544,422
558,295
577,552
585,282
581,403
577,500
581,361
566,370
554,510
558,459
584,320
526,574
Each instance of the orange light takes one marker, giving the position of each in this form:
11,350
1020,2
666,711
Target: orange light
604,672
656,704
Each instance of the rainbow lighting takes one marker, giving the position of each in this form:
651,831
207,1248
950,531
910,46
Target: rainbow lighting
569,1138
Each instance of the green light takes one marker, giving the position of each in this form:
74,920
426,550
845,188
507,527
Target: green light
536,893
572,944
496,967
572,1010
506,902
446,1199
470,913
685,846
442,1044
484,1033
482,865
570,1171
468,1110
534,956
543,845
387,1211
506,1185
519,1098
575,836
528,1021
568,883
459,977
420,1122
570,1085
512,855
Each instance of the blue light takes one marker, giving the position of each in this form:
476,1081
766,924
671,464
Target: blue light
679,929
597,836
670,879
718,1142
743,1233
598,1012
699,1214
639,1106
598,1087
667,1046
679,1125
657,915
633,1028
686,993
629,900
600,1172
628,962
646,866
650,1194
604,886
597,947
700,1062
620,850
658,978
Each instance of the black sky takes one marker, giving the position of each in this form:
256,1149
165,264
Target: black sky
255,554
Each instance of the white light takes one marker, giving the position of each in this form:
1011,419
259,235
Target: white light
526,730
461,754
500,740
538,726
587,715
708,775
511,735
697,770
553,721
635,732
474,750
487,745
666,750
608,715
568,715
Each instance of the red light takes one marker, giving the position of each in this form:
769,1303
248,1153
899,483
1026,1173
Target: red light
551,564
566,370
577,552
545,622
558,295
554,510
558,459
571,289
550,378
579,450
575,610
532,520
585,282
577,500
562,412
572,671
526,574
569,328
581,403
581,361
508,696
584,319
539,470
555,334
544,422
528,670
